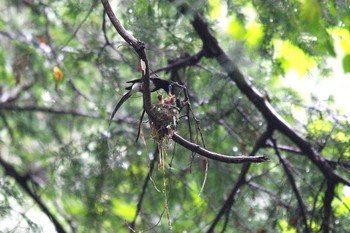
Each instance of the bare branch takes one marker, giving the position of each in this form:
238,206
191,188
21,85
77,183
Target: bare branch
119,27
213,49
71,112
144,187
216,156
293,184
181,62
139,48
241,180
22,181
327,206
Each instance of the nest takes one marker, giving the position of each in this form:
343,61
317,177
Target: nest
166,123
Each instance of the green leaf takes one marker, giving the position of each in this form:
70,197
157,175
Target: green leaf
346,63
123,209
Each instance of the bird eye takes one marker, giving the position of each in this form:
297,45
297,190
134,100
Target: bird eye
170,86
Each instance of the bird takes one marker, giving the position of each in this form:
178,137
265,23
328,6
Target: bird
136,86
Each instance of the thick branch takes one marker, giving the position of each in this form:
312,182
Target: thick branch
327,207
212,48
130,39
22,181
216,156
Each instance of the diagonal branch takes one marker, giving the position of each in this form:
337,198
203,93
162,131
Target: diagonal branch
293,184
213,50
182,62
144,188
241,180
22,181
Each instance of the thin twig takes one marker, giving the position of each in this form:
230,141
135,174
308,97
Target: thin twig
144,188
241,180
293,184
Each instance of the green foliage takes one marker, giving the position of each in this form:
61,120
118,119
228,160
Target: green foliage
94,176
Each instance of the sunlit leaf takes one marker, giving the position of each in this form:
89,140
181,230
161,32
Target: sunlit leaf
236,29
123,209
346,63
319,127
342,206
311,13
293,57
341,137
74,207
254,34
214,8
344,38
285,227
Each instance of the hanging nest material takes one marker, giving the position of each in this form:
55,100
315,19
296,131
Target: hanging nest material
165,126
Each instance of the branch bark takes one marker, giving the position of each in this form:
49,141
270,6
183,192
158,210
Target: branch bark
139,48
216,156
213,49
327,206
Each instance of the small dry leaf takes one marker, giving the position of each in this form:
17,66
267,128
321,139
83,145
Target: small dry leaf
57,74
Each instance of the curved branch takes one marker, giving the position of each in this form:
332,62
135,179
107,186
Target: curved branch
216,156
139,48
130,39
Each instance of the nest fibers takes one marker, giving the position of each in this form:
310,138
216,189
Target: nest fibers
166,124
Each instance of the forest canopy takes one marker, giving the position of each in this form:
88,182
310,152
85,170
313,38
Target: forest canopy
248,130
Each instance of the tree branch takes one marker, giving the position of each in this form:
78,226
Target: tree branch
327,206
139,48
241,179
293,184
22,181
216,156
144,187
212,49
181,62
71,112
130,39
